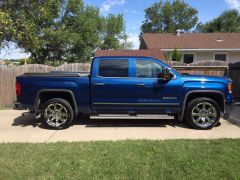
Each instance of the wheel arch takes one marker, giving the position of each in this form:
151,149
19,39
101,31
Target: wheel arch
45,94
217,96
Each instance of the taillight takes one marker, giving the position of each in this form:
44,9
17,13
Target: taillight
18,89
230,88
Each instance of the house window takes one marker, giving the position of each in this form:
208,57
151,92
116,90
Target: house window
188,58
221,57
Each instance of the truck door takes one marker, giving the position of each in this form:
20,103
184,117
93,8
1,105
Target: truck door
152,95
111,85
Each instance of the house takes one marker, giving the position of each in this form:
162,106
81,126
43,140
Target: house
195,46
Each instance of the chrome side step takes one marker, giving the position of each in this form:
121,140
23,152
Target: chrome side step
131,116
27,113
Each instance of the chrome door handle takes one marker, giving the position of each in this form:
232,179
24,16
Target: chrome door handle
99,84
141,84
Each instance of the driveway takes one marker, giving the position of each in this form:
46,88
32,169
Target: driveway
17,128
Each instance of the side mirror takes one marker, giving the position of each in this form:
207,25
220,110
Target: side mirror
166,75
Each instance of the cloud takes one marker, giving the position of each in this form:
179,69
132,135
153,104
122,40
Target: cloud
133,12
106,6
134,27
133,37
234,4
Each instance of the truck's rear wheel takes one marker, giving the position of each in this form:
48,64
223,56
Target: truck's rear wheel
57,113
202,113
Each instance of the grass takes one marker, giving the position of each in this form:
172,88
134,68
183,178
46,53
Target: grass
172,159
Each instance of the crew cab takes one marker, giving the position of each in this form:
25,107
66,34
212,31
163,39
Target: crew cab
124,85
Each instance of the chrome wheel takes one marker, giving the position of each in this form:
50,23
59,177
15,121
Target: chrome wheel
55,114
204,114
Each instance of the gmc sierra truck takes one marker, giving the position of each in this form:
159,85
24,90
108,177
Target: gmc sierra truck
124,85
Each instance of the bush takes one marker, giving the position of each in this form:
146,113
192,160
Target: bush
176,55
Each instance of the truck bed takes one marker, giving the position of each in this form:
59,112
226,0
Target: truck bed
33,83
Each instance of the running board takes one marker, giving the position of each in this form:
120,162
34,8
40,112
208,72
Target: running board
27,113
132,116
237,104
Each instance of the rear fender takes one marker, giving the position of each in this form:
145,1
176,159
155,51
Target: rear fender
37,99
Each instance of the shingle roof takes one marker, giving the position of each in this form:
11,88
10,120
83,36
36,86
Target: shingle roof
192,40
150,53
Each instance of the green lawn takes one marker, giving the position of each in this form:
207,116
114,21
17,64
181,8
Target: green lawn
173,159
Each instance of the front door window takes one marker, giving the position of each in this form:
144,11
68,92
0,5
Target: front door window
148,69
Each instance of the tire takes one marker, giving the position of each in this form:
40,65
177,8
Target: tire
202,113
57,114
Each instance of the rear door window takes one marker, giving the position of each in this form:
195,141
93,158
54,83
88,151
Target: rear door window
113,68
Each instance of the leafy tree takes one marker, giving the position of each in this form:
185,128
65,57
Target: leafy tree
6,62
114,29
168,17
228,21
22,61
62,30
176,56
6,27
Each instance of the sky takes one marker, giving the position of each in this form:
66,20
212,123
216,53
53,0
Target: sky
133,12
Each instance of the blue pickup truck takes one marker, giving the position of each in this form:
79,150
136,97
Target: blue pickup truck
124,85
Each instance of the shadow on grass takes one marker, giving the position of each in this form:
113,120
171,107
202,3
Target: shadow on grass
31,120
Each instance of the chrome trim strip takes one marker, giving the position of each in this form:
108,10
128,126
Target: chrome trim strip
138,104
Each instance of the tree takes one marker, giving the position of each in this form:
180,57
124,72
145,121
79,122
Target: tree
228,21
168,17
176,56
6,62
114,29
22,61
60,31
6,27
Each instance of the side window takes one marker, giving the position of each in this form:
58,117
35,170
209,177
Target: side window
148,69
113,68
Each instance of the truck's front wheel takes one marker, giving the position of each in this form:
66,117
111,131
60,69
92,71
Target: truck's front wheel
202,113
57,113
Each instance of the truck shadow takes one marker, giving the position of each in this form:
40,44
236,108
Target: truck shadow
123,122
30,120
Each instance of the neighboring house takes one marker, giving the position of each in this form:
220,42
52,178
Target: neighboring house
195,46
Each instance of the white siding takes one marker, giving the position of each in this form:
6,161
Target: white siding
201,56
232,57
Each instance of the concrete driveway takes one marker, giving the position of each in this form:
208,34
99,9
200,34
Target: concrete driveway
17,128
